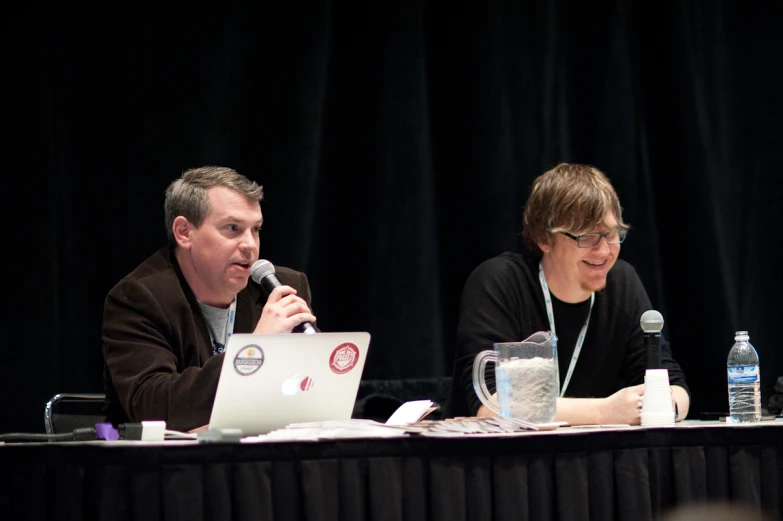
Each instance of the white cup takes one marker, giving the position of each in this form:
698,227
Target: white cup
656,376
657,399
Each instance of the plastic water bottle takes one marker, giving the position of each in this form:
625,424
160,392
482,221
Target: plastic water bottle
744,381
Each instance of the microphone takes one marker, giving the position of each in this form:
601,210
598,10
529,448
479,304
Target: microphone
263,272
652,324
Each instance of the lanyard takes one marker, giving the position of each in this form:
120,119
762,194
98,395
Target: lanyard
232,313
550,314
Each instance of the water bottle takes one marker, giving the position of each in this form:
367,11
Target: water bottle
744,381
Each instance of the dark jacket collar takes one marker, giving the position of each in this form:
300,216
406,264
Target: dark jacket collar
250,301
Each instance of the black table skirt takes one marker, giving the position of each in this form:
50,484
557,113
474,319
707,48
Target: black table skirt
634,475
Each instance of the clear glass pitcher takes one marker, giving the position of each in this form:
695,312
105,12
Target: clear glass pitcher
526,378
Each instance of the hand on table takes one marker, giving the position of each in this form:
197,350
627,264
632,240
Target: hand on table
624,406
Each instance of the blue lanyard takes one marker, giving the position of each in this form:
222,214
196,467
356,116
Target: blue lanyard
579,341
232,313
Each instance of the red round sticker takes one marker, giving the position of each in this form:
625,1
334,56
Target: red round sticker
306,384
344,358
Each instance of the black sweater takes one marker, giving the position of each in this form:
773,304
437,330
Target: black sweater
503,302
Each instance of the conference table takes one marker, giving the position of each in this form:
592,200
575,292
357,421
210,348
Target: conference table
596,473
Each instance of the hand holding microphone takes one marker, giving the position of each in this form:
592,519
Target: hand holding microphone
283,311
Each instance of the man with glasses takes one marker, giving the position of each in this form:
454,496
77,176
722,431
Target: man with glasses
571,283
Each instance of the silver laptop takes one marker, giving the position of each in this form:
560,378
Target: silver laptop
270,381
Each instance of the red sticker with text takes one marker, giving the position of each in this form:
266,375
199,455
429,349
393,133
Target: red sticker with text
344,358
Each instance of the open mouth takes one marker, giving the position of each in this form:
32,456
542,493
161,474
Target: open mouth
243,265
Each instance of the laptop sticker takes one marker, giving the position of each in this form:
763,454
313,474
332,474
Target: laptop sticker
344,358
249,360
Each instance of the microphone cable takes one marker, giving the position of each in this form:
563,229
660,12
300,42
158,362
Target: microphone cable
82,434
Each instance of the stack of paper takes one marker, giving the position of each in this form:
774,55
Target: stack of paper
406,420
477,426
330,430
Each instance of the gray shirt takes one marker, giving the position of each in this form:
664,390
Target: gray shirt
217,320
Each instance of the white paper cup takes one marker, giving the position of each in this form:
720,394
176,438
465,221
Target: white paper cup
656,376
657,399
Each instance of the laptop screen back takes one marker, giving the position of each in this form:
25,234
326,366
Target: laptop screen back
270,381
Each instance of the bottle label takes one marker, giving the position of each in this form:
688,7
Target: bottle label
743,374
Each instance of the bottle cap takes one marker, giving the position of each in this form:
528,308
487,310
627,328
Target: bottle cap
741,335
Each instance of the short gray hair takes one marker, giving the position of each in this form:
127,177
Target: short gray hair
187,196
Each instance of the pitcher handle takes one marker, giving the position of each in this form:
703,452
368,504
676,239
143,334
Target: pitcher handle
479,384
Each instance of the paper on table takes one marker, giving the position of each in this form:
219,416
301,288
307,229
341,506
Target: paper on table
331,430
411,412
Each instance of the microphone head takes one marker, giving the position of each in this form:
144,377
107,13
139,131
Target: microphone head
651,321
260,269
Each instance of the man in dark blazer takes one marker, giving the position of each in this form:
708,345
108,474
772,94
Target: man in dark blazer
166,324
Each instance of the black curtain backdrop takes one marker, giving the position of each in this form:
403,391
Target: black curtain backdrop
396,145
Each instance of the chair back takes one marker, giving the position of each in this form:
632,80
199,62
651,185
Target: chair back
89,412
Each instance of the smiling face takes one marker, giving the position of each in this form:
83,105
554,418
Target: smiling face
216,257
573,273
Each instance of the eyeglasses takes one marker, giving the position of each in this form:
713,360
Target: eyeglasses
591,240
